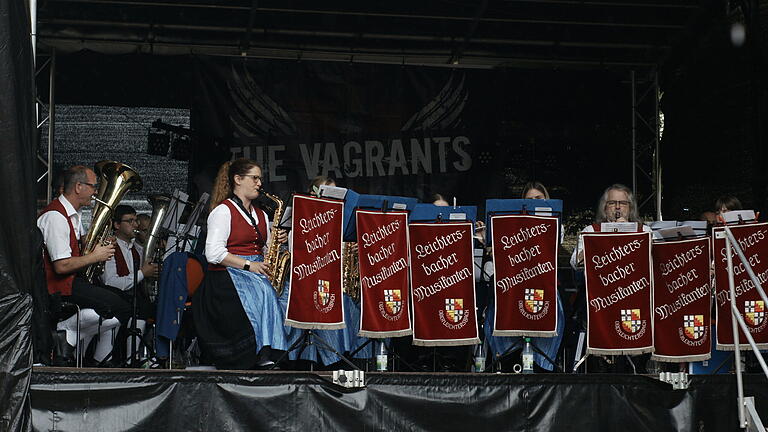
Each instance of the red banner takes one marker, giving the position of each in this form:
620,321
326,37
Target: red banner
443,284
382,239
617,268
753,240
682,300
315,300
525,275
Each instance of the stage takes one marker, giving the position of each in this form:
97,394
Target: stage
65,399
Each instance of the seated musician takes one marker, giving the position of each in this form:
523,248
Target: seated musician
548,345
617,204
118,275
61,225
236,311
141,236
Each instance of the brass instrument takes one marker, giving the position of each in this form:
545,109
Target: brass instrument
153,249
277,258
351,271
115,179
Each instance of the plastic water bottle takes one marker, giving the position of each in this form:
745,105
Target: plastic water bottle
480,354
381,357
527,357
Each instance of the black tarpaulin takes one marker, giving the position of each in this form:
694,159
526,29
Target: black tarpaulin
216,401
17,219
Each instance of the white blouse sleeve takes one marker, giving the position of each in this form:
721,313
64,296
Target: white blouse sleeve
579,247
219,221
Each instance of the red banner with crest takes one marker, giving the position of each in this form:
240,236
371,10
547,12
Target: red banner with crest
619,281
525,275
382,239
753,240
682,300
443,284
315,300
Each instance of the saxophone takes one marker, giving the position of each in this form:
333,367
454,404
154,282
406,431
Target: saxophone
277,258
351,271
115,179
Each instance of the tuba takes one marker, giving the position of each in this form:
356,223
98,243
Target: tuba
351,271
152,248
278,259
115,179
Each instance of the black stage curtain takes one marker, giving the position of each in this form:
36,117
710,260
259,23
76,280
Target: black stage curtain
17,221
219,400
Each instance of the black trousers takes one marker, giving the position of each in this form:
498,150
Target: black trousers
105,302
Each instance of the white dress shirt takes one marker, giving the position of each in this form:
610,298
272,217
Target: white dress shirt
219,223
110,277
55,230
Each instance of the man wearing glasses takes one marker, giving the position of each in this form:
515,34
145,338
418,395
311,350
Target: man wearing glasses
118,275
617,204
61,225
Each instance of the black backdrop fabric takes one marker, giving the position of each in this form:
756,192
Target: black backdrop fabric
17,221
415,131
284,401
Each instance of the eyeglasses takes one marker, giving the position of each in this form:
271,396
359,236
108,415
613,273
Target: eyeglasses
617,203
254,177
130,221
93,185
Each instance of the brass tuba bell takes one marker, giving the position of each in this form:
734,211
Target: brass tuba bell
115,180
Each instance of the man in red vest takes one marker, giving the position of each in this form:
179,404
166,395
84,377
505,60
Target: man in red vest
61,225
119,271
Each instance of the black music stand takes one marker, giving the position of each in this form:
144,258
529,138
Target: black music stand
308,336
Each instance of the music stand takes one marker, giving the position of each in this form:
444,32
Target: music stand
308,336
548,207
432,213
534,207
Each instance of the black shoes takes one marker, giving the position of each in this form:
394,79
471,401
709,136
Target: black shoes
64,354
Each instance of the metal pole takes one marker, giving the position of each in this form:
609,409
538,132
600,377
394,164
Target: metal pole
657,154
743,258
51,122
33,28
634,134
737,352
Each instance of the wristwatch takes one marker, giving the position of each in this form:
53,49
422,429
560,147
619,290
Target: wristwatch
247,265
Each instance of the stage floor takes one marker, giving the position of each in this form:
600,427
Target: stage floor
67,399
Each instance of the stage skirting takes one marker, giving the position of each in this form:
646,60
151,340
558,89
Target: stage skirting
139,400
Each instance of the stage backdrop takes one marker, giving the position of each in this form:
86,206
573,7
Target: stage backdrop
412,131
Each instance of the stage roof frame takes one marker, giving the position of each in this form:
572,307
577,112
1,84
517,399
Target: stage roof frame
597,34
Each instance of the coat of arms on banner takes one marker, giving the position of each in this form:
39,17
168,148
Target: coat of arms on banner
534,300
454,309
324,300
754,312
393,302
630,320
693,326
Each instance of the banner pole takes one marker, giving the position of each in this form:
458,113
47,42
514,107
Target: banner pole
737,352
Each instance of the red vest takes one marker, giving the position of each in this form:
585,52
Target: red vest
243,239
120,264
60,283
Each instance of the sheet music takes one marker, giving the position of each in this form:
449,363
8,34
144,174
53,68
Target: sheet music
622,227
327,191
